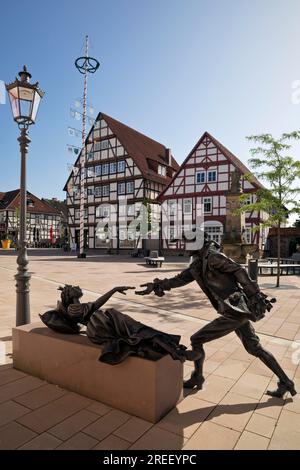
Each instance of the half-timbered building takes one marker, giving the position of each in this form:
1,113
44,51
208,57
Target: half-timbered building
124,170
203,180
43,221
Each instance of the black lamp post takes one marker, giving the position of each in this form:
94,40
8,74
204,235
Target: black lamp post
24,99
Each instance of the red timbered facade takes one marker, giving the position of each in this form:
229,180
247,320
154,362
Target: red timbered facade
203,179
121,165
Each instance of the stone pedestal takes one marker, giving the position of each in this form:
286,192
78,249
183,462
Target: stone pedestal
147,389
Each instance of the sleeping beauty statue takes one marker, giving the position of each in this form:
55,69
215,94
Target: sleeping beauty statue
118,334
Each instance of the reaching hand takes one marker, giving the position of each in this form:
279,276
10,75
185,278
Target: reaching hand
122,289
149,288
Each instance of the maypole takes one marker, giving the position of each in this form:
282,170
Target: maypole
84,65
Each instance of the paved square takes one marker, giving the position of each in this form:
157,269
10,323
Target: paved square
231,412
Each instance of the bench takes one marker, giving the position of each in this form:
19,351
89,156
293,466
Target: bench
144,388
154,260
285,269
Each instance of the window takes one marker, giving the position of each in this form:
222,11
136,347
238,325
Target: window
105,169
90,156
130,210
187,206
97,191
77,213
97,170
90,172
121,188
162,170
90,191
105,190
200,177
207,204
248,200
214,232
130,187
212,176
102,211
76,191
113,167
172,207
104,144
121,166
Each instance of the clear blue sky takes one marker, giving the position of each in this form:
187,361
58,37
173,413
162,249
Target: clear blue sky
169,68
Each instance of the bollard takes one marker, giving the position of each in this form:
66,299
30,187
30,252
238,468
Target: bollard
253,269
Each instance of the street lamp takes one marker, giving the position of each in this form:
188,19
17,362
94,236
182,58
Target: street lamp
24,99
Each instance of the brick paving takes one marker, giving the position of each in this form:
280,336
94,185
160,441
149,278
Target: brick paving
231,412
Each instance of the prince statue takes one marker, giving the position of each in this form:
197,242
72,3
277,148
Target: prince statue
236,298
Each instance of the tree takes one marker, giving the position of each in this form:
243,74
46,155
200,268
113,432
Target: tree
272,164
297,223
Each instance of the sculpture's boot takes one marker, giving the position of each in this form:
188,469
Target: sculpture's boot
284,384
282,388
197,378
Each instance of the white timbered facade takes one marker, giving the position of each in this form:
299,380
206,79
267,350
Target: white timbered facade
203,179
122,165
43,224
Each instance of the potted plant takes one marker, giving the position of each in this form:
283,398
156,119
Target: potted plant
6,242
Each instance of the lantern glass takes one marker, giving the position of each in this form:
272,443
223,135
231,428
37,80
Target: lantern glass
24,98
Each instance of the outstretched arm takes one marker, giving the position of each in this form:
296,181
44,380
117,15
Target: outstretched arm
82,312
158,286
104,298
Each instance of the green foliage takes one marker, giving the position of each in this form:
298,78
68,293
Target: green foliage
272,164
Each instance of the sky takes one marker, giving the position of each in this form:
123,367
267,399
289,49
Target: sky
171,69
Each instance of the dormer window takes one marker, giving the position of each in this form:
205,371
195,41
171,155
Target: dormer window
162,170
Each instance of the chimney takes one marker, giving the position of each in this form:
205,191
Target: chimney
169,156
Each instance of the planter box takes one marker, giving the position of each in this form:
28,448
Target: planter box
147,389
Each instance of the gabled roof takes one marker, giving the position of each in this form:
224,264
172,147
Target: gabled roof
229,155
11,200
141,148
7,198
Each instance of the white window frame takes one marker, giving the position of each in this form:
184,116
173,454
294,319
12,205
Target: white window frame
121,166
130,210
90,172
113,167
98,191
103,211
122,185
90,191
172,205
105,169
104,144
185,203
105,190
212,172
129,186
207,200
200,173
162,170
98,170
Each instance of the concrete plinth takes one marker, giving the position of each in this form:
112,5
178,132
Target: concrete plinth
147,389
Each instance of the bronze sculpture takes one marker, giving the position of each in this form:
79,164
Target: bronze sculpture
236,298
118,334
